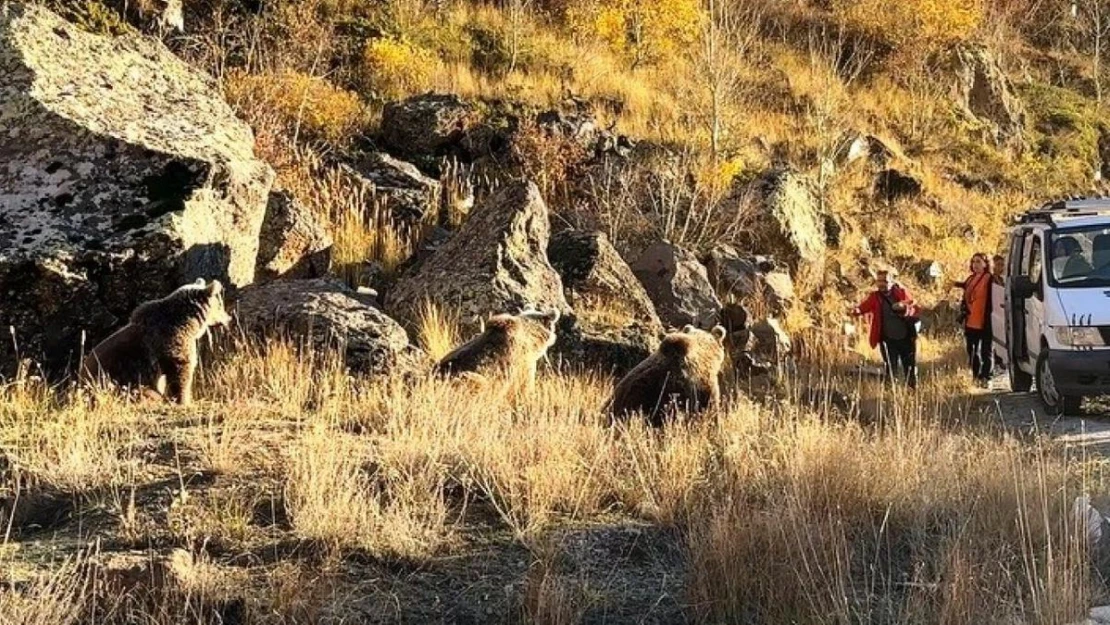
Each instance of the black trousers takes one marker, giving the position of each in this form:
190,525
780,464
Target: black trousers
979,356
900,354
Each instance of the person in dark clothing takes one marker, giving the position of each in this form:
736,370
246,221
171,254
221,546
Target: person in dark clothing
998,270
976,316
891,330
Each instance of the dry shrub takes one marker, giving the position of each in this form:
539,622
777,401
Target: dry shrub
393,69
644,31
550,160
57,599
335,494
912,30
909,526
303,105
437,330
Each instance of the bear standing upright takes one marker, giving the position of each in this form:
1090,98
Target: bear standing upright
157,349
683,373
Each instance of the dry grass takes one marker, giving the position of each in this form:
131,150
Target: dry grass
788,512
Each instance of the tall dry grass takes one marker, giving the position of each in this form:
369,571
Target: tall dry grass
790,510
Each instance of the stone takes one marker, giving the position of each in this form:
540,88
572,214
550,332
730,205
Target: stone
738,276
496,262
430,125
771,341
583,129
293,242
325,314
985,93
795,220
410,196
857,147
891,185
123,175
678,285
928,271
614,325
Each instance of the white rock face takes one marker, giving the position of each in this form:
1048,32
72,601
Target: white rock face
123,173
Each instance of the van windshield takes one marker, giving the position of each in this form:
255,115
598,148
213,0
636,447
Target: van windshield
1081,257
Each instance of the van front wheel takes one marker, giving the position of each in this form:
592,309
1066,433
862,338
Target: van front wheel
1055,403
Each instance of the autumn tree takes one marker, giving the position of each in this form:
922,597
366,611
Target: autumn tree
644,31
912,30
729,29
1093,20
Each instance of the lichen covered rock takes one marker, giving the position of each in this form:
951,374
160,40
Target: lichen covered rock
123,174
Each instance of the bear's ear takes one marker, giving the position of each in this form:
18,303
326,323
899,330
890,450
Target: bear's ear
214,287
687,329
719,333
553,316
198,282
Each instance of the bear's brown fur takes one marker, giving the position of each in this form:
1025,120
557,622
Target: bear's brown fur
509,346
683,373
157,349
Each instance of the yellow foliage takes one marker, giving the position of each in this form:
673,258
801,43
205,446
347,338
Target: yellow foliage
912,28
645,31
394,68
304,104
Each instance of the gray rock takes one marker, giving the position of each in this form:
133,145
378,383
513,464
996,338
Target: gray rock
678,285
426,125
326,315
409,195
770,341
736,276
984,92
123,174
614,325
795,221
293,242
496,262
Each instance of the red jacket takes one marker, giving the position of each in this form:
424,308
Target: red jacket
872,306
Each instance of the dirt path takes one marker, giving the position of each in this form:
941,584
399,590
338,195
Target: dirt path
1087,432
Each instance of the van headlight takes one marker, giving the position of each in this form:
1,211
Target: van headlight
1073,336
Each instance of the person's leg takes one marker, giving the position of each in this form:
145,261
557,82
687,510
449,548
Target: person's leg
970,346
888,351
909,361
985,356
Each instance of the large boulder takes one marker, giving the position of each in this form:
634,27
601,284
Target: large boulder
984,92
427,125
409,195
324,314
794,218
496,262
293,242
614,325
736,276
678,285
123,174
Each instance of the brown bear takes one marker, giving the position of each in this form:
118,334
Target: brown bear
683,373
509,346
157,349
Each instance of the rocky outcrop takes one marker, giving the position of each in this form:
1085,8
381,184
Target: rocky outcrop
293,242
794,218
892,185
984,92
614,325
678,285
736,276
409,195
124,174
496,262
426,125
325,315
770,340
584,130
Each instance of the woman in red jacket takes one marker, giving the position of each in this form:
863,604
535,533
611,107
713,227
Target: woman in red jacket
891,330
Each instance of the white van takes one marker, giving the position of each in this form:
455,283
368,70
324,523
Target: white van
1054,325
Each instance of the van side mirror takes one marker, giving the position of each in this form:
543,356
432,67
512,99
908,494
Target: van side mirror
1022,287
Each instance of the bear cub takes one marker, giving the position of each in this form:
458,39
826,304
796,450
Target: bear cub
157,350
682,374
509,346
